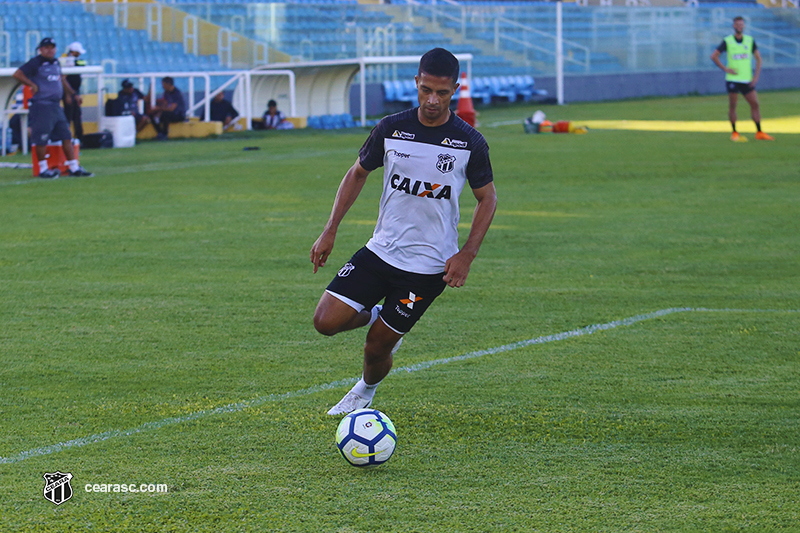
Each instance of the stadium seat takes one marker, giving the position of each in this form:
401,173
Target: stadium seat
524,89
480,91
388,92
314,122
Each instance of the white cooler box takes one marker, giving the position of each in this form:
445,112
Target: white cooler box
123,130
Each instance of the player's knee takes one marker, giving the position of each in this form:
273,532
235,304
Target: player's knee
324,324
377,352
378,345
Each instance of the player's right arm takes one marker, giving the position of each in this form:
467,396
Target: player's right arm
349,189
22,78
715,58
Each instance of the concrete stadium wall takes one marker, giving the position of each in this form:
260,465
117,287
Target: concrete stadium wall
618,86
598,87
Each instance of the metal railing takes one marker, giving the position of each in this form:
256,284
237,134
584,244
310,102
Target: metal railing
775,45
379,42
528,44
5,46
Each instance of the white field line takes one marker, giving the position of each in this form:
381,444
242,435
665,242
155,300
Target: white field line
517,122
247,404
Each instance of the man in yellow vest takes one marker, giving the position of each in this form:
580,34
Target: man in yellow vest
739,76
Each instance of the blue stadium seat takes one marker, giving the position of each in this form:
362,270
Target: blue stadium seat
388,92
480,91
319,122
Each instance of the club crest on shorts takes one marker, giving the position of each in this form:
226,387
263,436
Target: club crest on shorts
56,487
346,269
446,163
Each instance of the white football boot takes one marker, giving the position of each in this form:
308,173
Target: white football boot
349,403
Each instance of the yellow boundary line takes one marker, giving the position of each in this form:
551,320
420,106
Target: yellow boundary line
744,125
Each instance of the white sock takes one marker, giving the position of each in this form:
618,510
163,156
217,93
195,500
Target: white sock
73,165
374,314
365,391
42,165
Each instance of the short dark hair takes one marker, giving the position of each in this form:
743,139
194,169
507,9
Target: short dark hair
168,79
272,103
439,62
738,18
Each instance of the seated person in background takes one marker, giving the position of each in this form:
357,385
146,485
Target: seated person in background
169,108
274,119
223,111
128,99
15,123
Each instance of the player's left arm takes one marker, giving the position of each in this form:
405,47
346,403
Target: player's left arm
69,93
757,72
456,269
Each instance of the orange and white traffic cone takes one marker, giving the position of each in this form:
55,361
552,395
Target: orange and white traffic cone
465,109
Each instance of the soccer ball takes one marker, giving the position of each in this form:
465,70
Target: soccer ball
366,437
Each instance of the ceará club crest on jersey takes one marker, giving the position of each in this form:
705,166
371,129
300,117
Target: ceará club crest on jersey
446,163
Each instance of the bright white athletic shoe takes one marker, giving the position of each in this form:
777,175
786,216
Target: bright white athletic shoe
349,403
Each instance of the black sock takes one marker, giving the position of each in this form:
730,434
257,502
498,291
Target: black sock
734,126
758,125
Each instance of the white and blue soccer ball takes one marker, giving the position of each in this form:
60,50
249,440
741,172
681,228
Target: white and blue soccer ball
366,437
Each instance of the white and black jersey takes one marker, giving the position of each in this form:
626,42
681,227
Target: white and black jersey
425,170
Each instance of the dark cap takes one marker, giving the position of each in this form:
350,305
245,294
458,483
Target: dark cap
127,84
47,41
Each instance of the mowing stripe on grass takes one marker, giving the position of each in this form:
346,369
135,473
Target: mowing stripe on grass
145,168
246,404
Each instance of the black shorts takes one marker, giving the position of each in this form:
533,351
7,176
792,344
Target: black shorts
48,122
736,87
367,279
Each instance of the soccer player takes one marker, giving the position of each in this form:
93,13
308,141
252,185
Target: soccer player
47,120
739,76
428,155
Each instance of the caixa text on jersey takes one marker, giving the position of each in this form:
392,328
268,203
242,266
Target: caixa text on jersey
420,188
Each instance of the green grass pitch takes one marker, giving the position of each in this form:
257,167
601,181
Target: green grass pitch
156,323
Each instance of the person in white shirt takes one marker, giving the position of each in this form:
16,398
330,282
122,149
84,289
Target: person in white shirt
429,155
274,119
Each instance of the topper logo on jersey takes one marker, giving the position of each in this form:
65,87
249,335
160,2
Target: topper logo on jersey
53,77
403,135
423,189
454,143
740,56
446,163
412,298
399,155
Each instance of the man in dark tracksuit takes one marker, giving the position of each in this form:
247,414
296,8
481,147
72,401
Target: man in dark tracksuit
46,118
73,110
